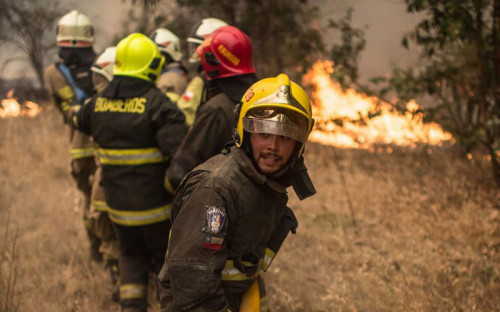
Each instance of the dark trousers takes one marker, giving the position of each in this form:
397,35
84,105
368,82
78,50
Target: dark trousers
142,249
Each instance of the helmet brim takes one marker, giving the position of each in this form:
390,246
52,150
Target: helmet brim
257,125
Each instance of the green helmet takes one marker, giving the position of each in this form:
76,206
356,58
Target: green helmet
138,56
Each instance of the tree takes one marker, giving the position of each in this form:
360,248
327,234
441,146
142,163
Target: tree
345,54
459,70
281,31
26,24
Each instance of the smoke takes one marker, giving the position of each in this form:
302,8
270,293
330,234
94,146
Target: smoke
107,16
386,21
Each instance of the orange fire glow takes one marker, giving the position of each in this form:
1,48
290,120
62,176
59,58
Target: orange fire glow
10,107
352,120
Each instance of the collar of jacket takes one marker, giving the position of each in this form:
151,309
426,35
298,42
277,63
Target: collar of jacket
235,86
123,87
248,168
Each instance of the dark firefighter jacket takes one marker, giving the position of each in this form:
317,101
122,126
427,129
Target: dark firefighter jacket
137,130
232,212
212,128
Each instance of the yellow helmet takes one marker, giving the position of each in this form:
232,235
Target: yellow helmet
276,106
138,56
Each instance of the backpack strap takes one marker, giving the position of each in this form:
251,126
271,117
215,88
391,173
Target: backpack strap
79,93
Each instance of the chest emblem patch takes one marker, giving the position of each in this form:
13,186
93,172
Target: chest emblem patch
214,219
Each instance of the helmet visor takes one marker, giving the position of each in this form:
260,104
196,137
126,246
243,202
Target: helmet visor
272,121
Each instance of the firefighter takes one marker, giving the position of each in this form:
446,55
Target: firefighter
69,83
235,204
137,130
102,73
196,92
174,77
226,57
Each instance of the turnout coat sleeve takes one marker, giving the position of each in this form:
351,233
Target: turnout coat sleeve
81,118
192,274
60,91
170,127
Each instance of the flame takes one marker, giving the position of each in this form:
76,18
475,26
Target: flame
10,107
352,120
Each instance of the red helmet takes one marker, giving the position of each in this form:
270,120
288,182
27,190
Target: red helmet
226,52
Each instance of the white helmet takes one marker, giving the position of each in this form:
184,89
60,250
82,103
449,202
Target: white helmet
168,43
75,30
199,32
204,28
104,63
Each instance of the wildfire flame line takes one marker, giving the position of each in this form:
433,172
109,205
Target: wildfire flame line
349,119
10,107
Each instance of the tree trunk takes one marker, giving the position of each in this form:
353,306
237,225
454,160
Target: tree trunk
495,132
496,51
481,75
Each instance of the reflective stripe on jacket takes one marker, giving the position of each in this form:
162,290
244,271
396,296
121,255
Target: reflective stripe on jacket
137,129
130,157
143,217
232,273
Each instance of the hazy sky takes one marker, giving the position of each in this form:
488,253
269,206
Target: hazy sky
386,22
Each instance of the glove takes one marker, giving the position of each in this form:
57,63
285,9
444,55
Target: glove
287,223
301,182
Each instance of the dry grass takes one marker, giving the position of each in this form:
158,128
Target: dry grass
54,269
422,235
9,299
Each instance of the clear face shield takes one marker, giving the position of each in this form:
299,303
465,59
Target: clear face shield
278,122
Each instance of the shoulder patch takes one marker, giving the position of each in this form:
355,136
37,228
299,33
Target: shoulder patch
214,219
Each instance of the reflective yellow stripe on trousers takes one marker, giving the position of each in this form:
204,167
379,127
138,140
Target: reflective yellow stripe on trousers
130,157
99,205
231,273
132,291
77,153
137,218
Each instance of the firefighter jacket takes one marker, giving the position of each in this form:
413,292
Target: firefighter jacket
173,80
213,128
137,130
64,96
70,80
231,212
191,99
